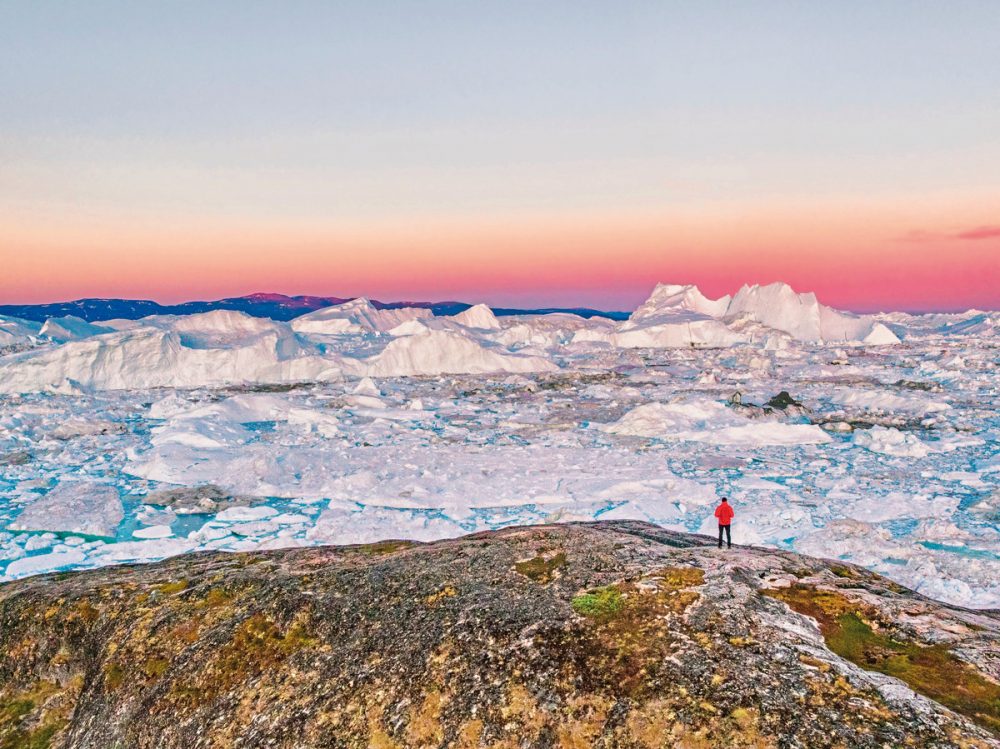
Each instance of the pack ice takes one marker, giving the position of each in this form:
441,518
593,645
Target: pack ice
867,438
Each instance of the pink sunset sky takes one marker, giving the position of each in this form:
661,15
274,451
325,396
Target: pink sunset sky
520,154
862,260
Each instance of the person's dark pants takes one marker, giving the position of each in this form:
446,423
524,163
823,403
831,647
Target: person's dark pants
729,538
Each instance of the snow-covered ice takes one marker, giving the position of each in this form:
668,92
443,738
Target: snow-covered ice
127,441
705,420
73,507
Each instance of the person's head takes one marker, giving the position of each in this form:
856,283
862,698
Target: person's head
725,500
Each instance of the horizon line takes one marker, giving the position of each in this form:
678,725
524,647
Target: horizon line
439,302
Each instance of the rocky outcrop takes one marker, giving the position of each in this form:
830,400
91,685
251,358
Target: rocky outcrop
194,500
614,634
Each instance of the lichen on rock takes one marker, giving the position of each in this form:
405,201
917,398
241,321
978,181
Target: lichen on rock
613,634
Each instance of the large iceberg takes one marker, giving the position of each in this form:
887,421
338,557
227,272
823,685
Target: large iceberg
778,306
219,348
231,432
677,316
355,316
209,349
673,317
431,352
70,328
16,332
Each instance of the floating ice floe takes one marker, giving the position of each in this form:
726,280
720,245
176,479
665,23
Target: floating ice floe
55,560
891,441
225,432
711,421
73,507
153,531
881,401
896,505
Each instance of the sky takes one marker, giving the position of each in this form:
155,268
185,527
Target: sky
517,153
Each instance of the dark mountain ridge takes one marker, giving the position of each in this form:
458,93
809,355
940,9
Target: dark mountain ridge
274,306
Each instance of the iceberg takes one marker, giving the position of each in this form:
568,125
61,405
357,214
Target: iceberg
74,507
434,352
778,306
354,317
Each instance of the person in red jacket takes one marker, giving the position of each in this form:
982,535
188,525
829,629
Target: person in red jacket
725,515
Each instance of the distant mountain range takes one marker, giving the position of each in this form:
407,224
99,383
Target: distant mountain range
274,306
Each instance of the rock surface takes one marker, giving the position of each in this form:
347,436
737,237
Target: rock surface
205,499
615,634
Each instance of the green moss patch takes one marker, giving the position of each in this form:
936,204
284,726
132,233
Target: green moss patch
155,667
173,587
841,571
114,676
678,578
932,670
384,547
258,646
23,722
666,589
541,569
39,737
11,712
600,603
214,598
627,633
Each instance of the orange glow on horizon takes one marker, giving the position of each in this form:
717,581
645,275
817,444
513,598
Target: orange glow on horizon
888,255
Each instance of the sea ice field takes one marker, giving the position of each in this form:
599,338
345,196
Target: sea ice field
871,439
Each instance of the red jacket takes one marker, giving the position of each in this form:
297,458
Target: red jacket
724,513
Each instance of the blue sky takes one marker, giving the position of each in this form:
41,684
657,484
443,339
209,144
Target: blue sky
344,117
